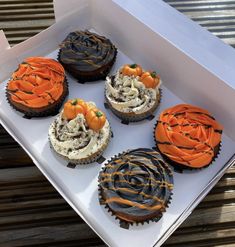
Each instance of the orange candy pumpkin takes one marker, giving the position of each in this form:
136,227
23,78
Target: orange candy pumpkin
73,107
132,69
95,119
150,79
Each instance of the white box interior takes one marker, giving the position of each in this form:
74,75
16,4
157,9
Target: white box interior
184,81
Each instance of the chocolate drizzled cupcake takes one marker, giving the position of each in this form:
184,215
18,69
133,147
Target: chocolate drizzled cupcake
188,136
133,94
87,56
136,186
38,87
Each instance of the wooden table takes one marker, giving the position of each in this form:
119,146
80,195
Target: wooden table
32,213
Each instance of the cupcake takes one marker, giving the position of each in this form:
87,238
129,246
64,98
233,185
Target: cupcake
136,186
188,136
133,94
87,56
38,87
80,133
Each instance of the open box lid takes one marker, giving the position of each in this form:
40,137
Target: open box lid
208,62
207,53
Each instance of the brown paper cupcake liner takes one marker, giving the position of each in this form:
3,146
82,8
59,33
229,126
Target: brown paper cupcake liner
126,224
97,75
122,223
132,117
179,167
50,110
85,161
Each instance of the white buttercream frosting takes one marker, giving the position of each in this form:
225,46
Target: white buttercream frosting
74,140
128,94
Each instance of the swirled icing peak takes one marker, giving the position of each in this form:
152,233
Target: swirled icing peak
128,94
188,135
38,82
74,139
86,51
136,185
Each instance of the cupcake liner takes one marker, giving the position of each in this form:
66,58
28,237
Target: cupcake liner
124,223
99,74
50,110
179,167
132,117
84,161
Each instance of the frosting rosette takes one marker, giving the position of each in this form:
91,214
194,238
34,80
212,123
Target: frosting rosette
133,97
86,51
188,135
74,139
136,186
38,82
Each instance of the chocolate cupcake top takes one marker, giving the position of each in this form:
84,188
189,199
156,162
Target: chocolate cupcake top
136,185
38,82
188,135
132,93
86,51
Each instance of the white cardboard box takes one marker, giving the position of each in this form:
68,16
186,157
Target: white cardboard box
193,70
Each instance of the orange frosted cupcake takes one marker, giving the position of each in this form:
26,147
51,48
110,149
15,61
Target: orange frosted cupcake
188,136
38,87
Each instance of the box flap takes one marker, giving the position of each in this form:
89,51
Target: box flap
3,42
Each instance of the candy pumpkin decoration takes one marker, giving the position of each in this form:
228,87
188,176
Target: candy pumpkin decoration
150,79
95,119
73,107
132,69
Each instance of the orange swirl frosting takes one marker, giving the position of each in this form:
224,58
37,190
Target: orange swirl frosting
38,82
188,135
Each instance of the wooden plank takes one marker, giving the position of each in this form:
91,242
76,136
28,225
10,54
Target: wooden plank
177,3
38,219
209,216
14,12
30,206
29,16
3,2
26,5
26,24
203,238
23,33
19,159
46,235
226,245
26,174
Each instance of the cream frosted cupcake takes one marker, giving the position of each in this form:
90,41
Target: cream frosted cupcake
133,94
80,133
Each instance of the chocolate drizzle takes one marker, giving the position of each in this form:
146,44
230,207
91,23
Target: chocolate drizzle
136,185
86,51
188,135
